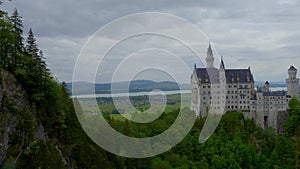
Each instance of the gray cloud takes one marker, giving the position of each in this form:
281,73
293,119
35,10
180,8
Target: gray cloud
263,34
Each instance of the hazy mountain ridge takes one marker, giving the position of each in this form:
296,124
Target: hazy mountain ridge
272,83
142,86
122,87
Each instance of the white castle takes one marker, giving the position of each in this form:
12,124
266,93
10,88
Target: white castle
215,90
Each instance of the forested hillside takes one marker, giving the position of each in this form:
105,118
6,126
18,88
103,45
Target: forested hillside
39,127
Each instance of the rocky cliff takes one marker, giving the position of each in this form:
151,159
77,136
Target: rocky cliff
13,102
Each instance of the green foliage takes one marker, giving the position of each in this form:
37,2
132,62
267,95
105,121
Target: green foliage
293,122
40,155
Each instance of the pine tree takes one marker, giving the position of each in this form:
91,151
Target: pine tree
18,49
6,43
32,47
37,55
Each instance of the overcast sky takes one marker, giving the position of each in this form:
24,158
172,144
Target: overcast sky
264,35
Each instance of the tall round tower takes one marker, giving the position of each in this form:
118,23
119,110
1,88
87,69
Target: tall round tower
292,82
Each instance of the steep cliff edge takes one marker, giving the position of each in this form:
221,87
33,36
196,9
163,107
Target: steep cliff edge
13,101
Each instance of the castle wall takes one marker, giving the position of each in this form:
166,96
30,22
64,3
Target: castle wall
292,87
263,106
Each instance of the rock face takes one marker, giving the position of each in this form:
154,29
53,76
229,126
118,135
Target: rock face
12,95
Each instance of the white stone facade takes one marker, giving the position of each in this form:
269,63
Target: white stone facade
220,90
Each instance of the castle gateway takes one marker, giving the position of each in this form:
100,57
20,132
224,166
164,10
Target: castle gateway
264,106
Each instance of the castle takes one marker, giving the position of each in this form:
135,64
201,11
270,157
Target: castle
215,90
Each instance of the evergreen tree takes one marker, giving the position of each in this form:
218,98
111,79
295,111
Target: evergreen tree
32,47
17,24
6,39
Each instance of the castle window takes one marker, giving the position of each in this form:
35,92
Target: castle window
203,86
208,86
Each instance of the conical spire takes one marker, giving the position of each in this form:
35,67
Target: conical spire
222,66
209,51
209,57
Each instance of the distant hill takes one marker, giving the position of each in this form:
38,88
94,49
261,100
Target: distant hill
272,83
142,86
120,87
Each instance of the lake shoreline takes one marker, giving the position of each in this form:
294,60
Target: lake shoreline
171,92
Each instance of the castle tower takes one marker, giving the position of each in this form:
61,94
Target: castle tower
292,82
209,57
222,89
267,87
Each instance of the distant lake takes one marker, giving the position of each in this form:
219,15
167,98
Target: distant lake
278,88
132,94
151,93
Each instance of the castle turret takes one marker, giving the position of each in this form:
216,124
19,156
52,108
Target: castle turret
222,65
209,58
267,87
292,82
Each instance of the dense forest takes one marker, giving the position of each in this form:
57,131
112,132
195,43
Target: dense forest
237,142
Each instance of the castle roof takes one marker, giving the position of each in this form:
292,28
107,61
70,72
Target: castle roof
292,68
209,51
274,93
222,66
211,75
